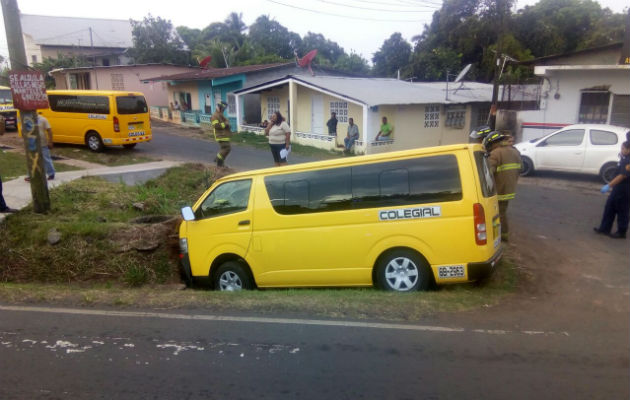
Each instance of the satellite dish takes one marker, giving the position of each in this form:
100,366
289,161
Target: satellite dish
460,76
305,62
203,63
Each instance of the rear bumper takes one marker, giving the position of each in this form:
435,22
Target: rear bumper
127,140
480,270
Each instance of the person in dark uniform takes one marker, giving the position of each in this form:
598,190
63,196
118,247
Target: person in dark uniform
618,202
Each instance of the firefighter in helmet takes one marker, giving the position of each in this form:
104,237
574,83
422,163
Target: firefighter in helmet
222,133
505,163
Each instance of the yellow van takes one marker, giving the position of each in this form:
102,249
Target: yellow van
98,118
399,221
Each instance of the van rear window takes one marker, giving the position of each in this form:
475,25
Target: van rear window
131,105
485,175
79,104
385,184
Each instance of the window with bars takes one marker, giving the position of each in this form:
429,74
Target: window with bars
231,100
432,116
455,117
118,82
340,108
594,107
273,105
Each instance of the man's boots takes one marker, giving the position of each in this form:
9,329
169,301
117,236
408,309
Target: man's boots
219,161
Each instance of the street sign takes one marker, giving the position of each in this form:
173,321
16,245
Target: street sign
28,90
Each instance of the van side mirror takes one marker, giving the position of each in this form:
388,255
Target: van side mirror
188,214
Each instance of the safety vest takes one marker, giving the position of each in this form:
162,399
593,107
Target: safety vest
220,126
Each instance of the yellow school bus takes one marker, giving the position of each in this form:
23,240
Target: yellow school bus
401,221
98,118
7,110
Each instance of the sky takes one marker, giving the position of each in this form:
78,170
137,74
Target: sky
356,25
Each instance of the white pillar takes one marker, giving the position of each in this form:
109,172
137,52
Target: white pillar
237,100
366,130
292,107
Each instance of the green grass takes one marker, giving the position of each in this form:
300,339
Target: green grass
98,241
13,165
111,156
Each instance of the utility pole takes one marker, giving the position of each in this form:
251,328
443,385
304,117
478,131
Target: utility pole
28,118
501,10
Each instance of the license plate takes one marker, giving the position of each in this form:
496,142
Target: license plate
139,133
451,271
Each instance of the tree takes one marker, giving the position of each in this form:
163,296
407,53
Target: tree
328,52
270,37
62,61
155,41
393,55
352,63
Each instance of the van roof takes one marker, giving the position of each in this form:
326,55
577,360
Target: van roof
96,92
346,161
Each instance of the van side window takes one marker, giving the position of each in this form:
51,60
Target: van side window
385,184
485,175
79,104
131,105
227,198
603,138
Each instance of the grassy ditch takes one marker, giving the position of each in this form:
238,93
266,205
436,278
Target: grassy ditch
13,165
110,156
106,229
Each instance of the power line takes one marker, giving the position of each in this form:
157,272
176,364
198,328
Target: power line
346,16
384,3
377,9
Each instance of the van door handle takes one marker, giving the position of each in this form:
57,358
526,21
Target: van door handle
244,222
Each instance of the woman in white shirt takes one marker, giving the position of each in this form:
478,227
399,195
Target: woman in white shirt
279,134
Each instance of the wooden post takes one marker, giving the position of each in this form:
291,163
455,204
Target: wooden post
28,118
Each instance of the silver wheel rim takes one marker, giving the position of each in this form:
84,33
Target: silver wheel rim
401,274
93,142
230,282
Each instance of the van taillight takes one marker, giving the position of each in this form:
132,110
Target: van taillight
481,236
116,125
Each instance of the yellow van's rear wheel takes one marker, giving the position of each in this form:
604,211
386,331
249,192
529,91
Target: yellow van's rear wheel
94,142
129,145
402,270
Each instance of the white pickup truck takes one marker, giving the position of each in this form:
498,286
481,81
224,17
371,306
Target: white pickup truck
586,148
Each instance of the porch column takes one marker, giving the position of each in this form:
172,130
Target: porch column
237,99
366,130
292,107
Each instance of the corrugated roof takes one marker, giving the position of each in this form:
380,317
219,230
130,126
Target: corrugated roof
71,31
213,73
383,91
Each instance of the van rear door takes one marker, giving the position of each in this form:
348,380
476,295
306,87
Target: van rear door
132,114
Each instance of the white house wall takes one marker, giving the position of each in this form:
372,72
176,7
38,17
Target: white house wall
561,94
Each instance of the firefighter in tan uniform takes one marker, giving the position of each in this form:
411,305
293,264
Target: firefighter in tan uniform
505,162
222,133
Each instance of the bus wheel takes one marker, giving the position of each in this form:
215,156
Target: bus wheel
94,142
129,145
402,271
231,277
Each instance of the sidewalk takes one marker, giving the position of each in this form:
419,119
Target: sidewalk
17,192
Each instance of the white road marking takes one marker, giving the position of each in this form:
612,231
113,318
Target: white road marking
285,321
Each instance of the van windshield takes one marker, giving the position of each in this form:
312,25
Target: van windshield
485,175
131,105
5,96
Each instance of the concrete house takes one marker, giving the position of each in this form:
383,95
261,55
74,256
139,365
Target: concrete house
422,114
121,77
588,86
102,41
198,92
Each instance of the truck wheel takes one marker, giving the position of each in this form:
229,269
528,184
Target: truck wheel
607,173
231,277
94,142
527,166
403,271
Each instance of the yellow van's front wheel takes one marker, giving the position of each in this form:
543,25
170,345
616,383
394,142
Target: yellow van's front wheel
402,270
231,277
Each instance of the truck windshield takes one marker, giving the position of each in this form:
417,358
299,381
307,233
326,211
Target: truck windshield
5,96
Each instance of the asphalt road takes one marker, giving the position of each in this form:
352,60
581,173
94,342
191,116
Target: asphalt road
564,335
171,146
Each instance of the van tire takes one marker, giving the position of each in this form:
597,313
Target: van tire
231,277
607,172
527,166
403,270
130,145
94,142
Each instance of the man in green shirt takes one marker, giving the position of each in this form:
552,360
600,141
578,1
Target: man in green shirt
386,131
